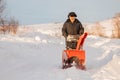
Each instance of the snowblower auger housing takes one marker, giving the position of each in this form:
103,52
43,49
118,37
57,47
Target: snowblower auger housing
75,57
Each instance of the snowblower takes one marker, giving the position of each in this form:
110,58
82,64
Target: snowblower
75,57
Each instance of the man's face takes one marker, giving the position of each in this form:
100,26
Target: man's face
72,18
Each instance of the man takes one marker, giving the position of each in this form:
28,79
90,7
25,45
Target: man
71,30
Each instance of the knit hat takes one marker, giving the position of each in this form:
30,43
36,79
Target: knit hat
72,14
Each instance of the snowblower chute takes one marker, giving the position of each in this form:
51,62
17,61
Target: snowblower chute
75,57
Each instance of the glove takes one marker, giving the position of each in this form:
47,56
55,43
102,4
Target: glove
72,38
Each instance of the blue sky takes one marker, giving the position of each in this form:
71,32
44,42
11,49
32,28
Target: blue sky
49,11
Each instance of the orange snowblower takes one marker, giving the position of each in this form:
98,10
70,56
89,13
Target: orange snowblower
75,57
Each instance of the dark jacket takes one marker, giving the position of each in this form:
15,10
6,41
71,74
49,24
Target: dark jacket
74,28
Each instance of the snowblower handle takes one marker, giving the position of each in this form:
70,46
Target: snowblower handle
81,41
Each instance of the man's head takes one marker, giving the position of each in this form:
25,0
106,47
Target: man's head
72,16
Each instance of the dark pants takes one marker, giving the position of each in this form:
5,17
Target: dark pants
71,45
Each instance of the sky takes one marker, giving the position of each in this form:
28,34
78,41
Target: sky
48,11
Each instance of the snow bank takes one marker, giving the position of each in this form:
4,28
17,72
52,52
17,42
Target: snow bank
110,71
35,54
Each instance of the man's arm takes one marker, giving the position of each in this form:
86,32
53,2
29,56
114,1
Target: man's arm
64,30
81,31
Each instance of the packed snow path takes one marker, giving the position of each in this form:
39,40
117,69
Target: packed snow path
35,54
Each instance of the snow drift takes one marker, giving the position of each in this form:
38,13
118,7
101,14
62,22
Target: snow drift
35,54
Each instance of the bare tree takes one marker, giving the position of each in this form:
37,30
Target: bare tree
116,23
13,25
6,24
2,21
117,15
2,7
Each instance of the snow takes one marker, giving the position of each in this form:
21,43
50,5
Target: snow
107,28
35,54
109,71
